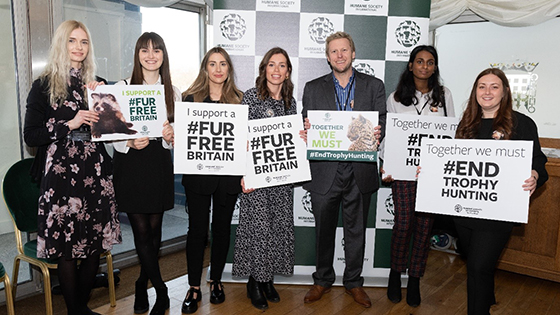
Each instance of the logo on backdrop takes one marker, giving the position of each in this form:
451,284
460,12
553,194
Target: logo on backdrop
365,68
408,33
306,202
319,29
389,205
233,27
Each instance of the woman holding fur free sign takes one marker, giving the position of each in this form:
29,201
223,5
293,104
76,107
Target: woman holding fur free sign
77,218
489,115
215,84
144,174
419,92
264,243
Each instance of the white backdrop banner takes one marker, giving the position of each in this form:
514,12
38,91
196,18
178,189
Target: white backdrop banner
210,139
475,178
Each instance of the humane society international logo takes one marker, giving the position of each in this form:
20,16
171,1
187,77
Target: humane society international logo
458,208
365,68
233,27
408,33
319,29
306,202
389,205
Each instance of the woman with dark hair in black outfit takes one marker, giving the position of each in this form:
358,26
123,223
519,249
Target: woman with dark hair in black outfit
144,174
490,115
215,84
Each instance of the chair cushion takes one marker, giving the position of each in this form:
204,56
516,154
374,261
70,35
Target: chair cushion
22,195
2,270
30,250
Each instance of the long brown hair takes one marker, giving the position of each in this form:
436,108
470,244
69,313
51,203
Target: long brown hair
287,87
200,88
157,42
472,116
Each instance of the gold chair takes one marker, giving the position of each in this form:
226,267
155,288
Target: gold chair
21,196
8,289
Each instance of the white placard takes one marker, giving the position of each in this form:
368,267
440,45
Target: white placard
210,139
475,178
127,111
403,137
276,153
342,135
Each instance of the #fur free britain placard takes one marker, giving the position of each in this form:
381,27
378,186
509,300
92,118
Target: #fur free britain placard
127,111
210,139
276,153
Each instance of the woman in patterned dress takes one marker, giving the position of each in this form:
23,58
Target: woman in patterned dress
145,195
264,243
77,216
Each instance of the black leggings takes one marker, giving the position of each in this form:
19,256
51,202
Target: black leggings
76,282
482,241
197,236
147,239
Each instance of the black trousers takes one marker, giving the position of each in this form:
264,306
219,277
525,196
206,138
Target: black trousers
355,206
482,241
199,215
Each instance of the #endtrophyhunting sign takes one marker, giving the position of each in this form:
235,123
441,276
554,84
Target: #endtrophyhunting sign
475,178
342,136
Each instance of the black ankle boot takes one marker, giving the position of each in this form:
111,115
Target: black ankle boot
394,288
141,304
162,302
413,291
254,292
269,291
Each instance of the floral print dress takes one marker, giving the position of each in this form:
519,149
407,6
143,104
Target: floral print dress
77,209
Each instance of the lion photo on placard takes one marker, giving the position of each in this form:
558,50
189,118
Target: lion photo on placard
360,132
111,119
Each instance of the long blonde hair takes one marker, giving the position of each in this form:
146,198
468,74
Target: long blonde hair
200,88
57,71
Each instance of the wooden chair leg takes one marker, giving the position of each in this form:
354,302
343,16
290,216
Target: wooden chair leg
111,278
